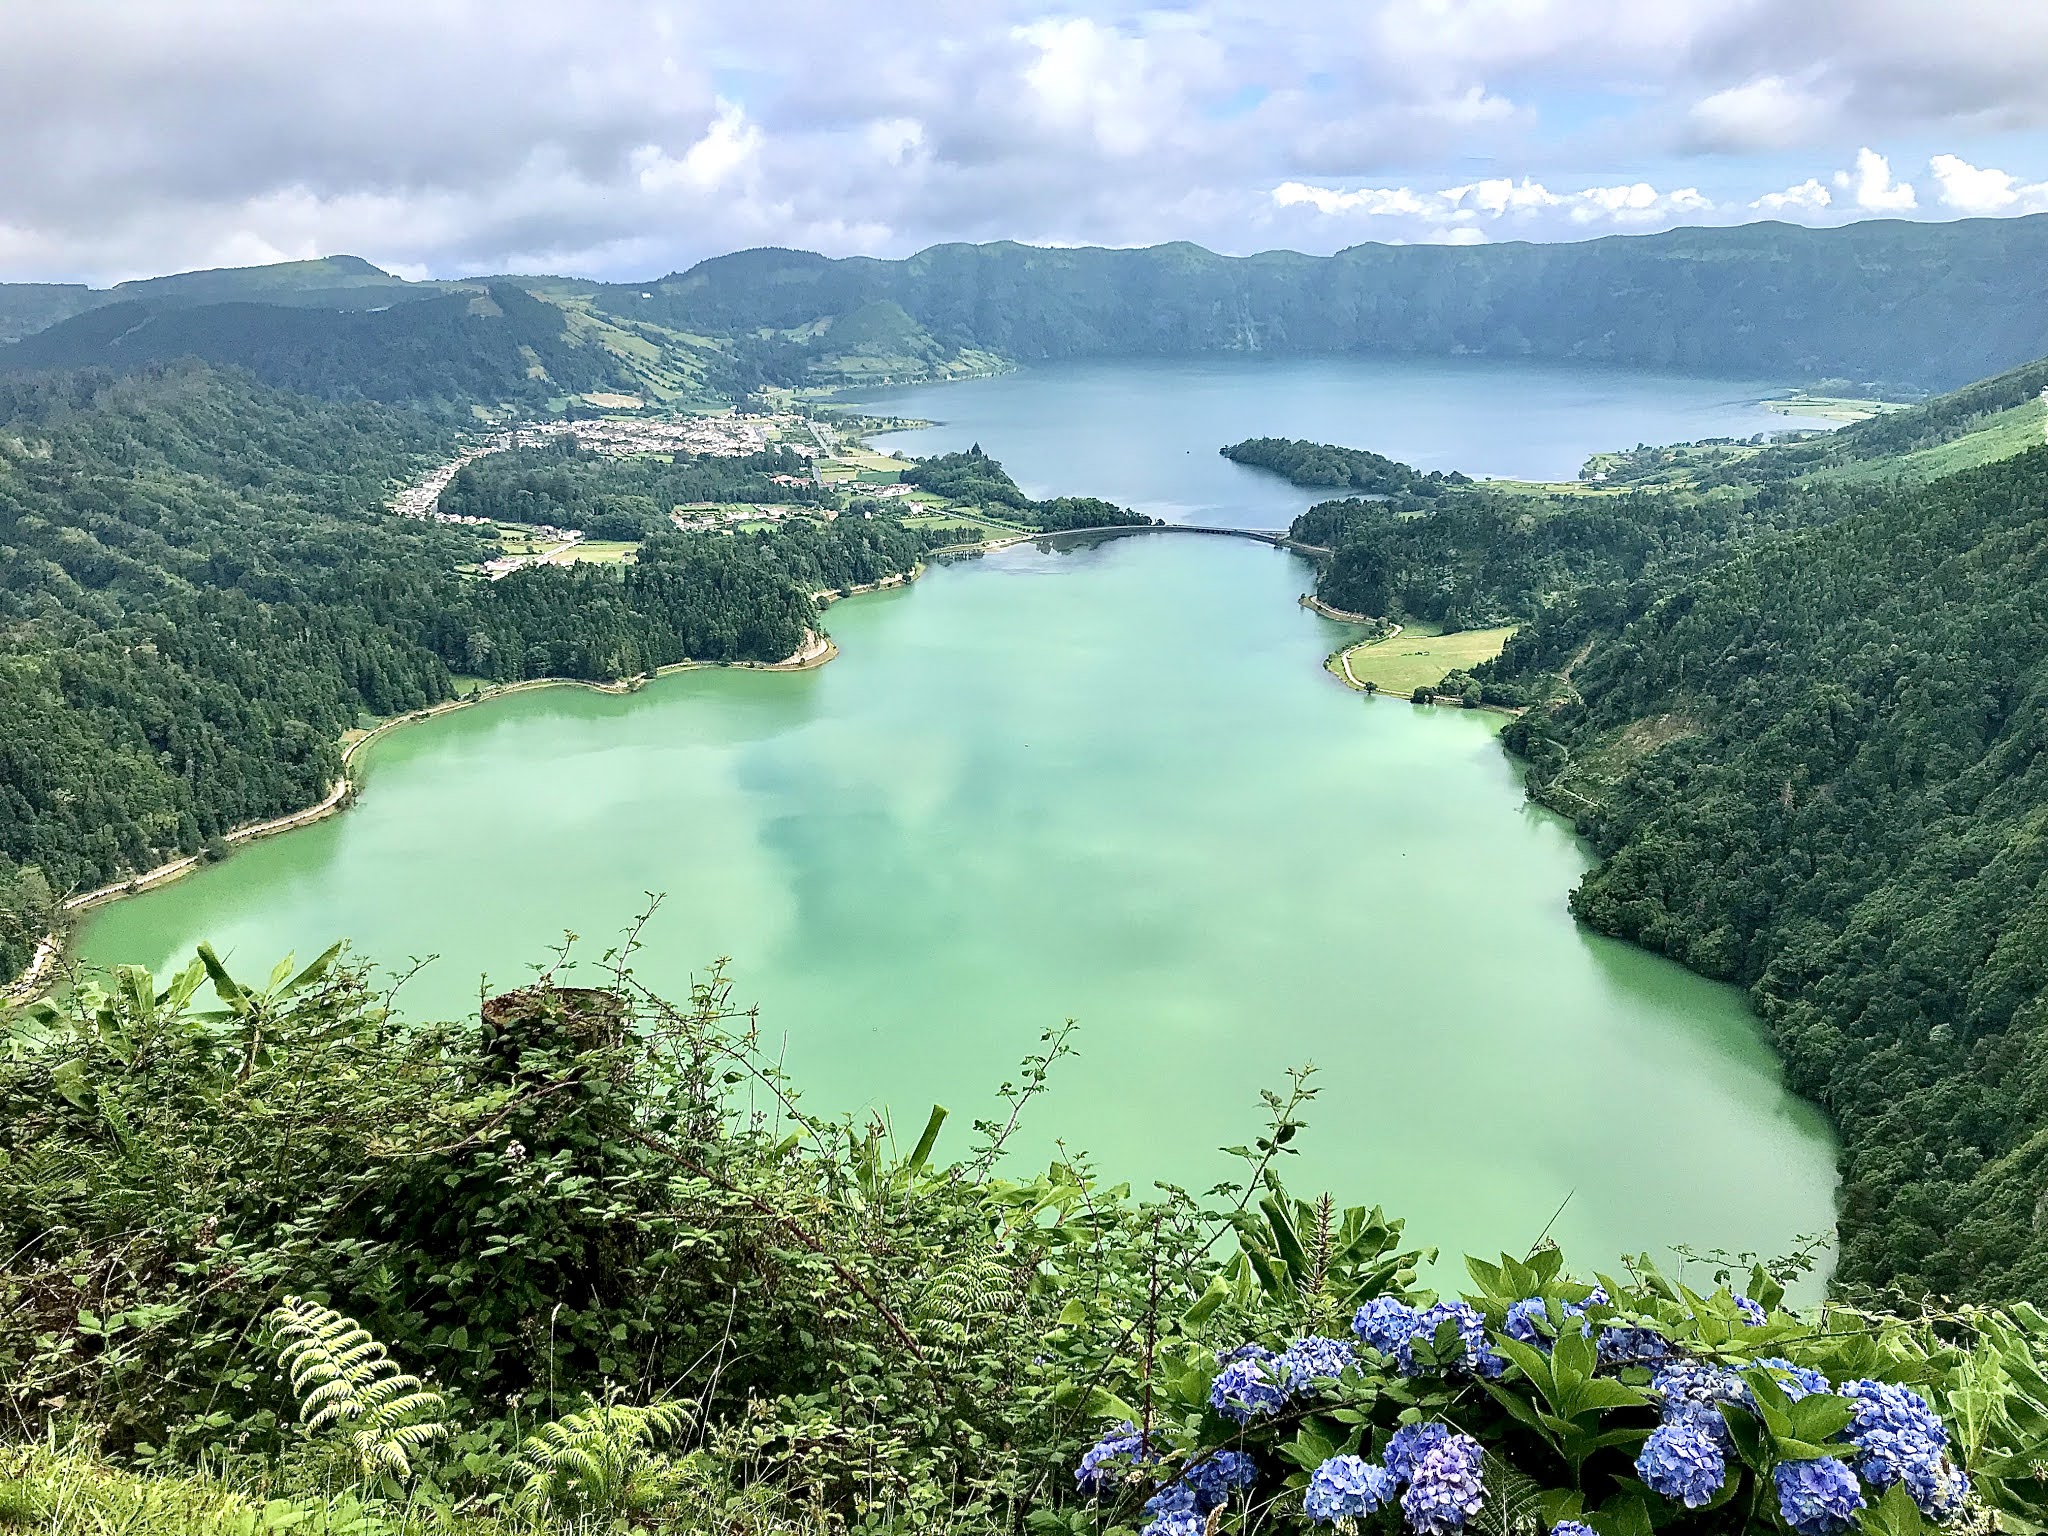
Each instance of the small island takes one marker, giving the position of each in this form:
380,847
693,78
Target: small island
1325,465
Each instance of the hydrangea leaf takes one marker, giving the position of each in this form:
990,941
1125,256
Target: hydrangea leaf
1747,1434
1820,1417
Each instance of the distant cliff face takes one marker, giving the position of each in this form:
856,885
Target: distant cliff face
1916,306
28,307
1924,305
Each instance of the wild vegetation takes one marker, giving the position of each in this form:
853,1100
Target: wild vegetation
584,1262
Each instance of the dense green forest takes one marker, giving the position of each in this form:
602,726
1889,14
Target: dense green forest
581,1264
978,480
500,345
686,597
1345,469
1484,557
1815,770
195,604
201,589
563,483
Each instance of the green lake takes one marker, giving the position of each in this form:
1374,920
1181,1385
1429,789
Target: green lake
1108,782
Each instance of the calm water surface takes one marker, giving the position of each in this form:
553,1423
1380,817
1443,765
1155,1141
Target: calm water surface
1113,784
1145,433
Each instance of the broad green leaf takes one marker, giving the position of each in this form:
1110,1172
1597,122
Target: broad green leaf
922,1152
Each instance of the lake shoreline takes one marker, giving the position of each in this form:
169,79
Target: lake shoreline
817,649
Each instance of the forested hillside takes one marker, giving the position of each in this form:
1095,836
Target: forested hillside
1816,769
195,601
501,346
1483,556
201,588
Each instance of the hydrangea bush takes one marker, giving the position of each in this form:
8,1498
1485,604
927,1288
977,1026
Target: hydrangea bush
1537,1404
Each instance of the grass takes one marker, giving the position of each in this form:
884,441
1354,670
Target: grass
940,518
1421,656
602,552
1831,407
1999,437
70,1493
57,1490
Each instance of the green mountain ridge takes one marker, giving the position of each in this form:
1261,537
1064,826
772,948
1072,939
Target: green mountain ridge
1900,305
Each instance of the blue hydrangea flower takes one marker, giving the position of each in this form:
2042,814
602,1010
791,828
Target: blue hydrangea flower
1181,1522
1097,1471
1693,1389
1445,1490
1899,1436
1316,1359
1818,1498
1212,1479
1597,1297
1752,1311
1523,1317
1475,1355
1572,1528
1521,1322
1795,1380
1250,1386
1387,1324
1347,1488
1633,1346
1175,1498
1682,1461
1939,1489
1410,1443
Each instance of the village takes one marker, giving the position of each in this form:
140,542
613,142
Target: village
727,436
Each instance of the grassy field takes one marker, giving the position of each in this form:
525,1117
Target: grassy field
1831,407
601,552
939,517
2000,437
1419,657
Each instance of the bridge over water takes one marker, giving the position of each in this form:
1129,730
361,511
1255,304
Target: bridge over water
1277,537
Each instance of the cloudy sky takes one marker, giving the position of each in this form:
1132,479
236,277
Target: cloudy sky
622,139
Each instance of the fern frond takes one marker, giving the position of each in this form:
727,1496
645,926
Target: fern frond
345,1379
589,1464
1513,1505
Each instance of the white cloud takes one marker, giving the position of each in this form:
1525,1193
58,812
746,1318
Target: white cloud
627,137
1769,112
1381,201
729,146
1501,195
1872,186
1808,197
1459,211
1981,190
1637,203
